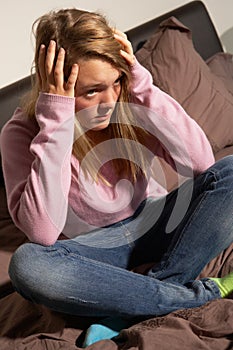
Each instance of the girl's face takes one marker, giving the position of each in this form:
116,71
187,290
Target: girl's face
97,91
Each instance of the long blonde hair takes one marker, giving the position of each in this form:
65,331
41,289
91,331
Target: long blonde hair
88,35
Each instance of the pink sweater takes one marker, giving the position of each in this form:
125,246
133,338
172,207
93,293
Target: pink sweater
46,191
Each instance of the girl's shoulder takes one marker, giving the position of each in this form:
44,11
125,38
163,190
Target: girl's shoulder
19,126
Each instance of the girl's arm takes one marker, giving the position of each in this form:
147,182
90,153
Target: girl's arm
36,167
36,153
181,141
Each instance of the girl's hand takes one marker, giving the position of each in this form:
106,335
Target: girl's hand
51,72
127,50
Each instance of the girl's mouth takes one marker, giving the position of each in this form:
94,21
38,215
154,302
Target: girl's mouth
102,117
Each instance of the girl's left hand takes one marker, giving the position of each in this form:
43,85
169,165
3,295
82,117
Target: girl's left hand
51,72
127,50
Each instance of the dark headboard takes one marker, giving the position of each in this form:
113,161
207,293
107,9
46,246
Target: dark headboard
10,96
195,16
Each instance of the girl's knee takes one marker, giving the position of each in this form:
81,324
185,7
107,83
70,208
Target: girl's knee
35,270
23,267
19,260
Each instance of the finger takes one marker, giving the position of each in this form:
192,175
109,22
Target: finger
59,68
127,50
128,57
123,41
121,37
41,66
70,85
120,33
49,61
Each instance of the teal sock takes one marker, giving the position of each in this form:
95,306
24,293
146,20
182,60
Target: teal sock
107,329
225,284
98,332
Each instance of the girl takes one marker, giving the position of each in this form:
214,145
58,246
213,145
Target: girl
80,158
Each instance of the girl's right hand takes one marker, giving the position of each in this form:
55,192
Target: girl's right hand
51,72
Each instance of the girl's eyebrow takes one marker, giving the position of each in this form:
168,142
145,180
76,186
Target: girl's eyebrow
91,86
84,87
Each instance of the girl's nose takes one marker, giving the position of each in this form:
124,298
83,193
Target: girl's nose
105,108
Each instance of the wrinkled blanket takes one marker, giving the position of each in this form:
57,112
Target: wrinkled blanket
24,326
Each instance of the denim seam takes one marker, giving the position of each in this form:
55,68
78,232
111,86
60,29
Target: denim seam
213,285
106,265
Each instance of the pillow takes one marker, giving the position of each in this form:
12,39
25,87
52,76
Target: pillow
180,71
221,64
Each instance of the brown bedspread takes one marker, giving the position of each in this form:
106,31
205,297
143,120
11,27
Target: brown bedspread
24,326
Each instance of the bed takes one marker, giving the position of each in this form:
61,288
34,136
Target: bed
185,56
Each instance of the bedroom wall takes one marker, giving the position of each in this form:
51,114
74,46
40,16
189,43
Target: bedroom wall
16,19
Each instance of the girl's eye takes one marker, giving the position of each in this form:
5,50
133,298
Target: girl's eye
91,93
118,81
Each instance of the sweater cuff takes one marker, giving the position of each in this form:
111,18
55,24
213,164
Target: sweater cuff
46,98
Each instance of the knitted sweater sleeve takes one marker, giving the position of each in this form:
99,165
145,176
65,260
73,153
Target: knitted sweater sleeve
181,141
36,167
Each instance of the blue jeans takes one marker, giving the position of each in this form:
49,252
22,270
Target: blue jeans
83,277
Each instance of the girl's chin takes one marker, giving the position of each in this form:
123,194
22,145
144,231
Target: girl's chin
100,125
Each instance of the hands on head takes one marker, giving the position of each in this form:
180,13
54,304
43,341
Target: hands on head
51,68
51,72
127,50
